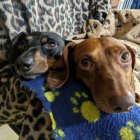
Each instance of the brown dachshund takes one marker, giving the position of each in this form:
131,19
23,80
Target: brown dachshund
105,66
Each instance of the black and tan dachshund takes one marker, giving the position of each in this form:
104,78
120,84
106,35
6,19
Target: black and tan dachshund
33,54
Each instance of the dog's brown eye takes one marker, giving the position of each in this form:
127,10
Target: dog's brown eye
85,62
51,44
29,37
125,57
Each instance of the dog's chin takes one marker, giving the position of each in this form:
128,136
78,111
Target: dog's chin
33,76
28,75
104,109
108,109
101,105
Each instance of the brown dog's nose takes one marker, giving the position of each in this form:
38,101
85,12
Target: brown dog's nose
121,103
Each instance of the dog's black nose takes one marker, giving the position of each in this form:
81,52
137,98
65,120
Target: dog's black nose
121,103
24,64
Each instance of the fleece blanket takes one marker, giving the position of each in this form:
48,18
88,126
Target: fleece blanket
75,116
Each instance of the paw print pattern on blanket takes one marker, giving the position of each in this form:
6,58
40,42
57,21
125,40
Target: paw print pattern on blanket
51,96
57,132
130,131
82,104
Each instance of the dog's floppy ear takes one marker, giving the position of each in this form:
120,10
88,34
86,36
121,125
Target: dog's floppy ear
16,43
19,37
137,89
132,51
59,72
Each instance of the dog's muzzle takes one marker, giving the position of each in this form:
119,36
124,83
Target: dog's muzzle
24,65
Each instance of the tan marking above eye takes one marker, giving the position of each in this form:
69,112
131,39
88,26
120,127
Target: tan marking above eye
44,39
29,37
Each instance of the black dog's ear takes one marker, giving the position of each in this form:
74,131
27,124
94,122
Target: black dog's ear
67,41
16,50
19,37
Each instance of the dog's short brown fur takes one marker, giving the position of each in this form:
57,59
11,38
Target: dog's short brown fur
105,66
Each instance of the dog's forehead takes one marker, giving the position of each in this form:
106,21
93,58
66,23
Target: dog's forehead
95,44
97,47
112,45
108,42
87,45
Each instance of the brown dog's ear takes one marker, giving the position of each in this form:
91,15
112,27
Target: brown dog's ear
137,98
137,89
132,51
59,72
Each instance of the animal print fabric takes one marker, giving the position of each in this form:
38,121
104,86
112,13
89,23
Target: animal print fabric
65,17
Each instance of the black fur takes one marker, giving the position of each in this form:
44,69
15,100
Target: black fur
24,49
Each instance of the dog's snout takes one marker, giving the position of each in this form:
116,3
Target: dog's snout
24,64
121,103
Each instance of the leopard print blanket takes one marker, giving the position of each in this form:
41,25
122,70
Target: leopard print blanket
64,17
18,104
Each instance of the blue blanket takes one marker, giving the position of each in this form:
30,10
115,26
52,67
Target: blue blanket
75,116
